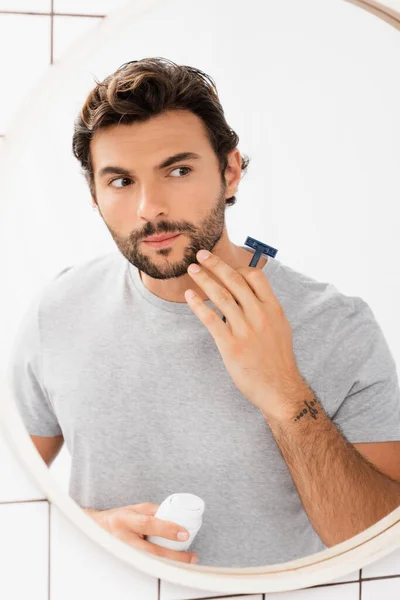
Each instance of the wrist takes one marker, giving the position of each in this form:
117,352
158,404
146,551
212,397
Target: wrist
292,406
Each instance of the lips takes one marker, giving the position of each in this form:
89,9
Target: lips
161,238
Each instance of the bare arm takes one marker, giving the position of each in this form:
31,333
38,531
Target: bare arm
48,447
342,493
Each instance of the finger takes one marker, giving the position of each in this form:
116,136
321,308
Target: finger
231,279
218,329
134,539
149,525
222,296
259,283
178,555
147,508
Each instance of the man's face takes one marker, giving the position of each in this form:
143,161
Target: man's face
187,197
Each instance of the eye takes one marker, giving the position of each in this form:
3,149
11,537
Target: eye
180,169
127,178
116,179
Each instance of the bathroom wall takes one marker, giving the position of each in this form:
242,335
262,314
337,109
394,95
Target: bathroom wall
43,556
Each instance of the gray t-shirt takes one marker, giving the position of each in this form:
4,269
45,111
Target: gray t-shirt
139,390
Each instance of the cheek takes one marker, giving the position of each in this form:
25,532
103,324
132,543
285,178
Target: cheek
120,218
117,206
201,197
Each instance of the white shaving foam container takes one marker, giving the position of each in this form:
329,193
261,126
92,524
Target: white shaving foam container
185,510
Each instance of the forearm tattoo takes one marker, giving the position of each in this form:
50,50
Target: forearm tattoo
311,408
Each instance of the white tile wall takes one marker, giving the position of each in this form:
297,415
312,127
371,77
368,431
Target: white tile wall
14,483
26,5
67,30
389,589
24,550
82,569
171,591
32,57
89,7
389,565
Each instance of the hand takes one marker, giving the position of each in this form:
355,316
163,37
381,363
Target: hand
131,523
256,341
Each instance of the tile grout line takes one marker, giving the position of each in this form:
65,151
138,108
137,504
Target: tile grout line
48,14
331,584
222,597
381,577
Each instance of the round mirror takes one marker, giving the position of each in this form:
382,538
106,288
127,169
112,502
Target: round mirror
271,400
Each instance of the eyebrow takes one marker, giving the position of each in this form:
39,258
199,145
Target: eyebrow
109,170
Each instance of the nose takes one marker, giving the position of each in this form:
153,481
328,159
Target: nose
151,202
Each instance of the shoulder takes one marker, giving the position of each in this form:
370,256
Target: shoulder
308,301
340,327
82,280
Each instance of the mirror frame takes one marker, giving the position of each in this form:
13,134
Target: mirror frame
390,15
376,542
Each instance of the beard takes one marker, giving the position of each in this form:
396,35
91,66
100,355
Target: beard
205,236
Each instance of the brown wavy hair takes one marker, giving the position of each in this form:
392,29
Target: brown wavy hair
143,88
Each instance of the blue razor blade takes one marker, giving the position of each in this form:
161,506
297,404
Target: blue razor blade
260,249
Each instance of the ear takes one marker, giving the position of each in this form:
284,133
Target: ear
233,172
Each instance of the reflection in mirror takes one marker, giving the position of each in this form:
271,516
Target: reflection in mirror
267,436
